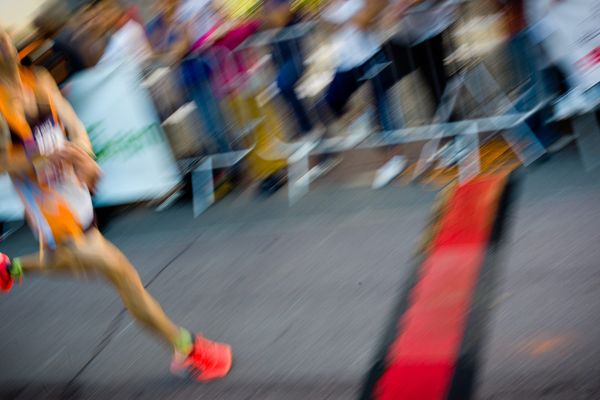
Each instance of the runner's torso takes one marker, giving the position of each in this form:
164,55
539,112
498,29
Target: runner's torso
58,207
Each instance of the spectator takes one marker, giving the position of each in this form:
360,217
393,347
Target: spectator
169,32
181,31
163,30
536,78
288,58
53,24
198,21
419,43
358,51
88,34
126,39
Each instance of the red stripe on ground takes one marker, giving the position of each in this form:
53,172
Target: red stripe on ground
421,361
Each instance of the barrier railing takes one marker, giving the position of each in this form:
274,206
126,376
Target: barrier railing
501,115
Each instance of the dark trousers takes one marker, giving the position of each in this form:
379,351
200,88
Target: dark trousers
427,57
196,76
288,74
538,83
345,83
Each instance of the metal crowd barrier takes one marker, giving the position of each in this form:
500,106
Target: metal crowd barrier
501,116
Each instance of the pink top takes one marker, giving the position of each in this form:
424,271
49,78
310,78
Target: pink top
231,67
204,38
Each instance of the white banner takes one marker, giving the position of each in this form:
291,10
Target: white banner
125,131
11,208
573,37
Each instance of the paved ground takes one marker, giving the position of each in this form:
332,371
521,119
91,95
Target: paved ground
545,331
303,294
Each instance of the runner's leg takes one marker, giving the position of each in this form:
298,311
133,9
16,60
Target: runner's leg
94,255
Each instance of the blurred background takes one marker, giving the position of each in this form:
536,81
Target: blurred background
248,83
280,160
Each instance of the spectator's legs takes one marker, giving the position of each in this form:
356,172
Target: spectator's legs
333,103
402,63
538,83
341,88
196,79
288,75
429,57
380,85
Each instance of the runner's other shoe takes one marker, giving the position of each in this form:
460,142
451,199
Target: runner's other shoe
6,280
207,361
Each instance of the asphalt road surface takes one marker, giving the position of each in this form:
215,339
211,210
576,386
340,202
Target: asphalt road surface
304,293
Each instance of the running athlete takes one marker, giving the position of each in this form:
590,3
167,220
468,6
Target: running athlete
47,153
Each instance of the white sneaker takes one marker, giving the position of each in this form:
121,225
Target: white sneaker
389,171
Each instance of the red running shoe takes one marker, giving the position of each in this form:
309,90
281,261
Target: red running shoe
6,280
207,361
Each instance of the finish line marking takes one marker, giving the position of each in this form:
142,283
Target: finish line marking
425,353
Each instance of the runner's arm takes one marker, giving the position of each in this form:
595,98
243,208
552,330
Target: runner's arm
75,128
11,163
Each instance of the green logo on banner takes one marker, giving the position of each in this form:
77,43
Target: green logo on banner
125,144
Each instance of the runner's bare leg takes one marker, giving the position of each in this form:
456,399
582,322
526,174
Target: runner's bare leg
94,255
